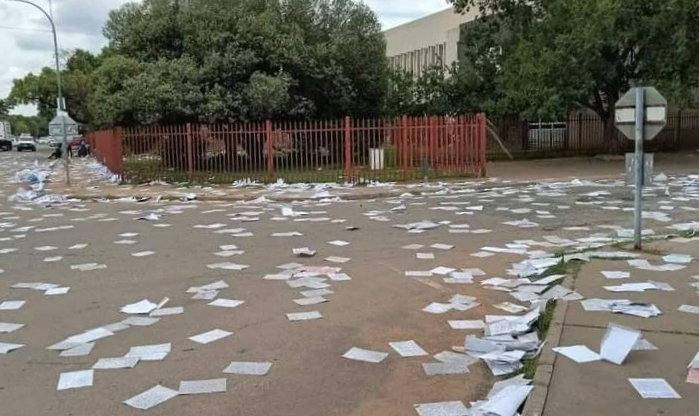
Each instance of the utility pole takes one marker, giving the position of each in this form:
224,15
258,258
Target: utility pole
60,109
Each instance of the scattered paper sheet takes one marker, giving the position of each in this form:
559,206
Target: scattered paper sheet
12,305
466,324
339,243
150,352
143,307
689,309
75,380
616,275
115,363
618,342
80,350
6,348
151,397
304,316
6,328
455,408
335,259
654,388
227,303
578,353
248,368
177,310
507,401
203,386
408,349
359,354
211,336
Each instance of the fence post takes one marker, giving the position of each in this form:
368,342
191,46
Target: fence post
404,150
348,148
482,144
118,152
678,131
269,146
190,154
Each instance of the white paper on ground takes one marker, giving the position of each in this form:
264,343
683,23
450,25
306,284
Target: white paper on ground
140,321
455,408
203,386
507,401
80,350
143,254
6,327
335,259
143,307
466,324
440,246
149,352
408,349
248,368
151,397
57,291
211,336
689,309
310,301
425,256
226,303
12,305
115,363
359,354
176,310
654,388
616,275
618,343
6,348
578,353
304,316
75,380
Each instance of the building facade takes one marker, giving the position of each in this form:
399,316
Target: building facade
428,41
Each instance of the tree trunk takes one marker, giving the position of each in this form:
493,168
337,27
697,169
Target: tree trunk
611,140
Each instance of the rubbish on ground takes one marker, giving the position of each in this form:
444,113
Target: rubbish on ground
203,386
226,303
211,336
248,368
304,252
359,354
6,348
75,380
151,397
149,352
115,363
7,328
465,324
616,275
654,388
80,350
618,342
143,307
12,305
408,349
578,353
455,408
689,309
304,316
167,311
678,258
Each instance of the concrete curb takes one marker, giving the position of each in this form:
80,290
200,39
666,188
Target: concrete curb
544,371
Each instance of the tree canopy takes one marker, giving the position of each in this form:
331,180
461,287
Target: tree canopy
552,56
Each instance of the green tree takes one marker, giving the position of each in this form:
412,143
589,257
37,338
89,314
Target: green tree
551,56
244,60
42,89
5,107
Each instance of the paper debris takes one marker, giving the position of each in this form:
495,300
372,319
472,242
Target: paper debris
310,301
616,275
339,243
167,311
689,309
578,353
334,259
143,254
203,386
228,266
678,258
143,307
408,349
359,354
440,246
618,343
75,380
53,259
6,348
465,324
115,363
304,252
507,401
455,408
211,336
303,316
6,328
140,321
12,305
425,256
227,303
149,352
248,368
654,388
151,398
88,267
80,350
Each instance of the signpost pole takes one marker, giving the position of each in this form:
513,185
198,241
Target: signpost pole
638,199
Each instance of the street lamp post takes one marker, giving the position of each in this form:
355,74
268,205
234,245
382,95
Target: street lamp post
61,102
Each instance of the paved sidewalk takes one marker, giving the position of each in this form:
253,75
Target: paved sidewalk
602,388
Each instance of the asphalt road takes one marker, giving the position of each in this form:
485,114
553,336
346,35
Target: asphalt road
309,377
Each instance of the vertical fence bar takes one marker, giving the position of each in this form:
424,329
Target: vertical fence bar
348,149
404,148
118,154
482,137
269,144
190,153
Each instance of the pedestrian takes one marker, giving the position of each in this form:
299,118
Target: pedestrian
58,153
83,151
69,150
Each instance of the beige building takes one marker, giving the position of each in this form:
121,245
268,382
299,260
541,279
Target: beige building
428,41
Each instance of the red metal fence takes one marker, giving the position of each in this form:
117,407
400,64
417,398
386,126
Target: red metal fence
357,151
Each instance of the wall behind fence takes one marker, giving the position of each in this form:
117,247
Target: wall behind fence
357,151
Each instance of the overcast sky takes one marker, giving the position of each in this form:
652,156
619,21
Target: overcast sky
27,46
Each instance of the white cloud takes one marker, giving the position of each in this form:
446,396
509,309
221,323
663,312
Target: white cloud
28,48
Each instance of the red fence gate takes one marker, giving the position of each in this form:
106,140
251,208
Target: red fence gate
357,151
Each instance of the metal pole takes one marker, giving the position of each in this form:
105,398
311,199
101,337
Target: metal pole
638,199
60,104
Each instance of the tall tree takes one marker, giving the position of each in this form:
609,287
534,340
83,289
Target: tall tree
5,107
556,55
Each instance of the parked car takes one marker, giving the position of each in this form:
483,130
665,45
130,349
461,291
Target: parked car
44,140
53,143
25,144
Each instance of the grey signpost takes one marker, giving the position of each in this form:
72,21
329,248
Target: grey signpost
63,126
641,114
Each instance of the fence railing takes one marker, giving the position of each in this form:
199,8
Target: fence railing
582,134
346,150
